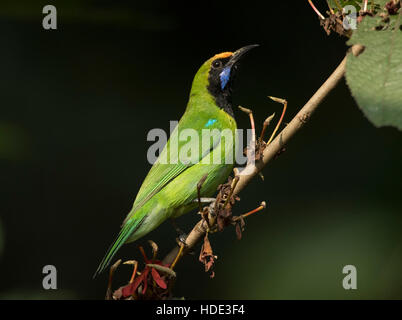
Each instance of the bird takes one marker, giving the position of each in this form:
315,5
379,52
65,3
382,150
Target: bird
170,187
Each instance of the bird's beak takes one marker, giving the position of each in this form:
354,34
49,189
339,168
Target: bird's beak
239,53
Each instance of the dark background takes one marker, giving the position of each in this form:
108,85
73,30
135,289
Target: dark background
77,104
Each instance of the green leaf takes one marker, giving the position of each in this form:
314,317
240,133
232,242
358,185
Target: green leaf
373,6
337,4
375,77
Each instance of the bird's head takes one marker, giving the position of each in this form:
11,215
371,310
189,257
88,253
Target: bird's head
217,74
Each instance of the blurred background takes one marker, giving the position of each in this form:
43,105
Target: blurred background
77,104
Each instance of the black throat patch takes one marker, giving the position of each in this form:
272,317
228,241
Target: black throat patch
223,97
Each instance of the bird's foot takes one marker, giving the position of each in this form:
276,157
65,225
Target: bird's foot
176,227
181,239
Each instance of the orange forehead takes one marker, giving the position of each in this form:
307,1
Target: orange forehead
222,55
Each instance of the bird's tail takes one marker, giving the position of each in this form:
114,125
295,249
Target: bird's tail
123,235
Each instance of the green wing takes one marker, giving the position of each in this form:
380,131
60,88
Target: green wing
162,173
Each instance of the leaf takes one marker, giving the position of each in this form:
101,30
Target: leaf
342,3
207,257
129,289
145,273
159,281
375,77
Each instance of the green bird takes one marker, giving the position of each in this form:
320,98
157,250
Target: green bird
170,188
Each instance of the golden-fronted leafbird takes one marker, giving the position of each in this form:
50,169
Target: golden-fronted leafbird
170,188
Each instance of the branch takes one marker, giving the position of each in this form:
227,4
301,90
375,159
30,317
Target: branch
301,118
297,122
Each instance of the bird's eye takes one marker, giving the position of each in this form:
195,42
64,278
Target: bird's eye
217,64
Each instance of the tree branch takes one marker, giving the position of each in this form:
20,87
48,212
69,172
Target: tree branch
251,170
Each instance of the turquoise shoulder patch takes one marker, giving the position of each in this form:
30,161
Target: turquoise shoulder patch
210,122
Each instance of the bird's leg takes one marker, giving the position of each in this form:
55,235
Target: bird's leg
181,235
199,200
175,226
316,10
109,285
199,186
201,210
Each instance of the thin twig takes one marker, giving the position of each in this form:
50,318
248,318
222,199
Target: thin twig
109,285
199,186
262,206
232,188
316,10
338,6
365,5
265,125
285,104
297,122
251,150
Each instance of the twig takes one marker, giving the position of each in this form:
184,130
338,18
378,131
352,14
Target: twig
251,150
365,5
285,104
135,264
262,206
301,118
109,285
316,10
265,125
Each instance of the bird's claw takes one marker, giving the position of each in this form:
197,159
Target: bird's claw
181,239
